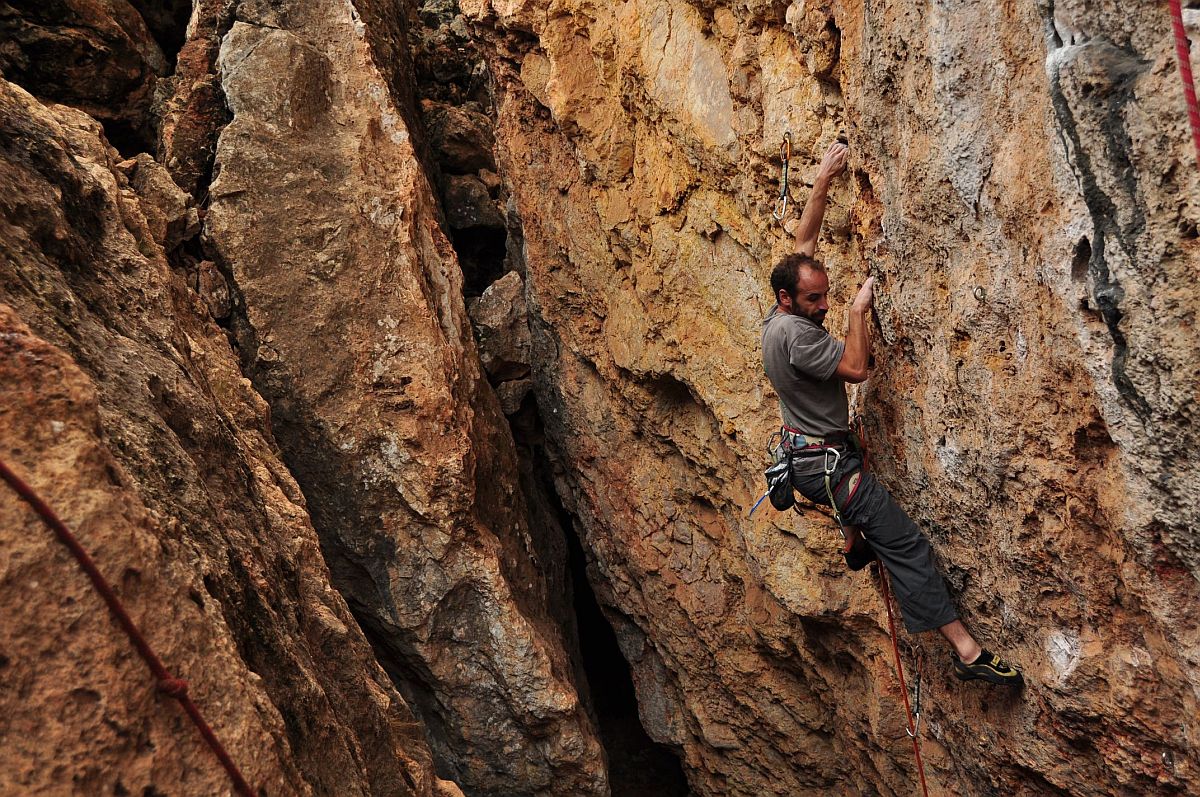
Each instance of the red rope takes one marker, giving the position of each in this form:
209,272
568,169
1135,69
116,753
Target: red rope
1182,49
912,729
167,684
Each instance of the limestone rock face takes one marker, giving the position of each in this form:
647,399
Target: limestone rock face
355,329
284,444
123,405
1022,183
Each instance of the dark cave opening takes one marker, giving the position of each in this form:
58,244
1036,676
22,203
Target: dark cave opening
167,21
127,139
481,255
637,765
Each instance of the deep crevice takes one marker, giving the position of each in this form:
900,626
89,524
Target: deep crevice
167,21
481,255
459,118
637,765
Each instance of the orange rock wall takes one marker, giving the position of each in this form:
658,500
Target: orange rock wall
1022,183
123,406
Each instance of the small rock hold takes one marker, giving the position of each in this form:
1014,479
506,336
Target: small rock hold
469,204
512,393
489,179
214,290
168,210
502,325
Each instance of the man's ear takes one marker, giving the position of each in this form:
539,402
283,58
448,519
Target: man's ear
783,299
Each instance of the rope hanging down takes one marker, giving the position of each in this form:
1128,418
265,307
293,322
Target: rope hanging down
168,684
885,589
1182,48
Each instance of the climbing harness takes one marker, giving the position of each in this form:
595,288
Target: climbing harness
793,443
885,590
167,683
1182,47
785,155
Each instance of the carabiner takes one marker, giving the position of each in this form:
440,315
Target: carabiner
785,155
837,457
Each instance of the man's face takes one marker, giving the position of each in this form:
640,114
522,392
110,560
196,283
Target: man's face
812,296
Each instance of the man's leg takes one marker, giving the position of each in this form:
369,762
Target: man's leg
924,602
905,552
960,639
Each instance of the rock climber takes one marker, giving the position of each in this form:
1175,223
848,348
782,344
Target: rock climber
809,369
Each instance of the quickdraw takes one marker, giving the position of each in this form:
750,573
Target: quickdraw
785,155
830,469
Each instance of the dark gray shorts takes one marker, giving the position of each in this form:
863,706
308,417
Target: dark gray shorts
893,535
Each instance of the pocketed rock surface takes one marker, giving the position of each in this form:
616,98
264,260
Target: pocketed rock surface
316,510
123,406
1023,185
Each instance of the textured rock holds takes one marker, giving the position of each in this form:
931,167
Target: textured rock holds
124,407
461,138
468,203
502,326
169,211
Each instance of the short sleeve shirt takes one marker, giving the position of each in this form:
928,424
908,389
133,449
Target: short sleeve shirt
800,359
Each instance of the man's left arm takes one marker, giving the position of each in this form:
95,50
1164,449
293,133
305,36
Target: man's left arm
809,227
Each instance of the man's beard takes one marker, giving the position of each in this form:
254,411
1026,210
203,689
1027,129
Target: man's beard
819,317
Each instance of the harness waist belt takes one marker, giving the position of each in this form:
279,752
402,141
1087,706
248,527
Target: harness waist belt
798,441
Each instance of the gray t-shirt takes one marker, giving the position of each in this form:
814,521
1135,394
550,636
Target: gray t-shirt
800,358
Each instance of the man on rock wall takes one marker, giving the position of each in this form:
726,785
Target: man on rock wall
809,369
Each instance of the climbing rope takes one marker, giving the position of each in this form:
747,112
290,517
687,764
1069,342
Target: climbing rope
785,155
859,428
167,684
1182,50
885,589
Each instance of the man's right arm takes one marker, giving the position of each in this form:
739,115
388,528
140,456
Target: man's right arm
808,229
857,354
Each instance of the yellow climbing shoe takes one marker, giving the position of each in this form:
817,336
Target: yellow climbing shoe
988,667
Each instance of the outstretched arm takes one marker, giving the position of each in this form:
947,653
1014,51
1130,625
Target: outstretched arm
833,164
